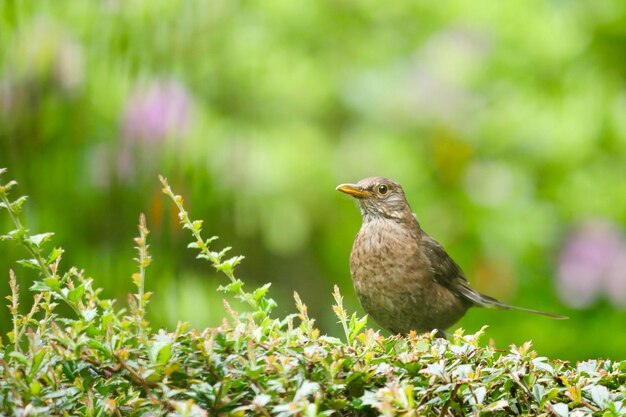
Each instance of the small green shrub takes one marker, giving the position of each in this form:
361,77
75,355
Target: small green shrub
104,360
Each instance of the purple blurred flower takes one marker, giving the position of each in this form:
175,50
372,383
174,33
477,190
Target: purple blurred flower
156,111
153,113
592,262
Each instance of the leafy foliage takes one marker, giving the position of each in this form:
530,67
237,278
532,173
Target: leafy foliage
504,123
104,360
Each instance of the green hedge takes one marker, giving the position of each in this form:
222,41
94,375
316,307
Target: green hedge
102,359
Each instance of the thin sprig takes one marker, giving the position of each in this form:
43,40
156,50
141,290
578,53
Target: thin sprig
143,260
256,300
352,327
14,300
46,265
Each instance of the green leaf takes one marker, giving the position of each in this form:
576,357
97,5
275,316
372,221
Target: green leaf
94,344
498,405
76,294
542,363
599,395
224,252
234,287
479,394
260,292
561,409
538,392
89,313
53,283
331,340
197,225
229,265
40,286
54,254
267,305
35,388
17,204
164,355
6,187
37,359
16,234
106,319
356,325
93,331
29,263
39,239
19,357
551,395
161,350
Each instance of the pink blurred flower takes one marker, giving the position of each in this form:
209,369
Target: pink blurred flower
592,263
153,113
156,111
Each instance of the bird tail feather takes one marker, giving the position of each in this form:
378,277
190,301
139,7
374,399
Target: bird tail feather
486,301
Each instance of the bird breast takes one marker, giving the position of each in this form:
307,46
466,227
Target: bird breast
384,254
393,280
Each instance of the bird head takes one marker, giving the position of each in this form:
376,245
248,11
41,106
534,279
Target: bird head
378,197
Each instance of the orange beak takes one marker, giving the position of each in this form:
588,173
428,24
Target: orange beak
353,190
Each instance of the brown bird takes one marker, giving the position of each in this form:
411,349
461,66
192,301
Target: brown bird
404,279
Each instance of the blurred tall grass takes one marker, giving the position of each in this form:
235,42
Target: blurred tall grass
505,122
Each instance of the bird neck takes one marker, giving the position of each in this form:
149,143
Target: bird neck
405,218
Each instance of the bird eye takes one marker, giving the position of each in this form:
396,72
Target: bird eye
382,189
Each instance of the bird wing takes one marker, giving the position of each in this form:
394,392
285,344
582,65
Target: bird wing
447,273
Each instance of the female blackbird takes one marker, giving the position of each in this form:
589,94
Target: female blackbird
404,279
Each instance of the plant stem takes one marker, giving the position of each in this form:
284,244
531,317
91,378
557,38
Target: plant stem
143,260
34,250
214,258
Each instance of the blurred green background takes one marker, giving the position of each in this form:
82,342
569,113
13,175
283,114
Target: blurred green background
504,121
